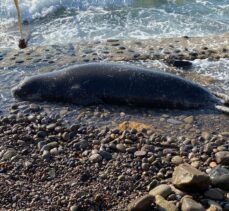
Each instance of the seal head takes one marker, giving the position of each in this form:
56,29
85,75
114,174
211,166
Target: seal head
34,89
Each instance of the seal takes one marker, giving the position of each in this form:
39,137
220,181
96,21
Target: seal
96,83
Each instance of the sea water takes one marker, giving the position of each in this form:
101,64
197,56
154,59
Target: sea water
58,21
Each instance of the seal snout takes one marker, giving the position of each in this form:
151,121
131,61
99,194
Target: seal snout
16,92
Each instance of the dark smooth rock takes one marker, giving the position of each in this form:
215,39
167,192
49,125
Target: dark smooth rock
105,155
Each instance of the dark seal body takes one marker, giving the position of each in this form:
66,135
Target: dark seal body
96,83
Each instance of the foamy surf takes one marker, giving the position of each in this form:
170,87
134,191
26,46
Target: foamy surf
55,21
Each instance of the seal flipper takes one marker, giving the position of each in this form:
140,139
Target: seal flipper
222,96
223,109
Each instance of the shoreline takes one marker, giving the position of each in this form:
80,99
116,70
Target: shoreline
58,156
183,48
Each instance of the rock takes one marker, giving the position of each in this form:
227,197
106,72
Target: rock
141,204
140,153
120,147
46,155
205,135
188,204
105,155
34,107
221,182
220,177
81,145
162,190
95,158
215,194
74,208
54,151
189,120
51,126
226,207
177,160
222,157
145,166
218,171
187,177
164,205
9,154
213,206
49,146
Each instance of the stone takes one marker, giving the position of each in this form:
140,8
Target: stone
106,155
221,182
50,146
226,207
74,208
188,204
140,153
164,205
9,154
141,204
215,194
188,178
95,158
213,206
120,147
189,120
46,155
222,157
54,151
81,145
162,190
51,126
205,135
177,160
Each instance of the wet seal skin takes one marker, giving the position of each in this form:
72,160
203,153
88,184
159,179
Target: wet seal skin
98,83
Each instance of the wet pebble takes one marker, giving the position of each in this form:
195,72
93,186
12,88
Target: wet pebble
95,158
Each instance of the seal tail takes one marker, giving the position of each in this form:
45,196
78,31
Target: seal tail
222,108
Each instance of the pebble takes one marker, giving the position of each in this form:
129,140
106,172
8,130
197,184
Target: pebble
81,145
222,157
213,206
189,120
215,194
54,151
49,146
221,182
95,158
74,208
9,154
141,204
187,177
120,147
188,204
46,155
140,153
19,61
162,190
34,107
164,205
105,155
177,160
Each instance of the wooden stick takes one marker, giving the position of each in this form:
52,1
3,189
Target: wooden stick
18,17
